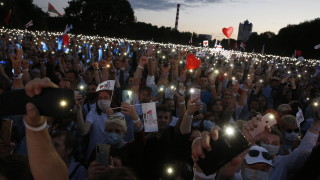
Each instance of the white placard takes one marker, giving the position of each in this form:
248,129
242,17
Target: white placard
106,85
149,117
200,54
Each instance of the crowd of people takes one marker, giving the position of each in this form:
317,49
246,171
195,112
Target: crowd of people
108,136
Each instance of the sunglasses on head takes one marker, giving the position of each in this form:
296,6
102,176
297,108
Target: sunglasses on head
292,130
255,153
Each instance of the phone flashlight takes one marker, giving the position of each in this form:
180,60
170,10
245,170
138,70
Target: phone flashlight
161,88
181,62
191,70
229,131
169,170
315,104
233,78
216,71
172,87
261,80
63,103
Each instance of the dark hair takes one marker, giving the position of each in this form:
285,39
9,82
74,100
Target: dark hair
146,88
164,108
119,173
75,73
275,131
70,139
15,167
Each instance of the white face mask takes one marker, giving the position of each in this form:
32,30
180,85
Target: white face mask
291,136
104,104
250,174
272,149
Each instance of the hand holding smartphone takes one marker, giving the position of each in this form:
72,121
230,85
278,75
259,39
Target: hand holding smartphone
103,154
267,120
231,142
127,96
195,93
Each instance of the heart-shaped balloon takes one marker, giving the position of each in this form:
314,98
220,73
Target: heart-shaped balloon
227,31
192,62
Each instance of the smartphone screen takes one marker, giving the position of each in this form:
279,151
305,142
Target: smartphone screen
19,46
195,93
102,154
231,142
127,96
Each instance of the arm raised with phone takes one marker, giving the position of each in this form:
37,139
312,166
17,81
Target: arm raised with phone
215,141
45,162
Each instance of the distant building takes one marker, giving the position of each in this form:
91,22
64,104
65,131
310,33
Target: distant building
245,30
205,36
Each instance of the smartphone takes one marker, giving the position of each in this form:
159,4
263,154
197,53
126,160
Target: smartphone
267,120
6,129
231,142
181,89
103,154
99,54
195,93
3,62
127,96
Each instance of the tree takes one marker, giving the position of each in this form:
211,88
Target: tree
103,16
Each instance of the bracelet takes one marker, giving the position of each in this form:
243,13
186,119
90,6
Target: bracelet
36,129
213,86
183,102
136,121
140,67
25,70
17,76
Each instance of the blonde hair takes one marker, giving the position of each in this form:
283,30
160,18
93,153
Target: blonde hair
287,120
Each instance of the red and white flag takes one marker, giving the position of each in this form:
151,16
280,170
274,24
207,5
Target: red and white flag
30,23
149,117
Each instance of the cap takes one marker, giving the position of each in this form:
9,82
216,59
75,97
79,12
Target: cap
258,154
118,119
284,107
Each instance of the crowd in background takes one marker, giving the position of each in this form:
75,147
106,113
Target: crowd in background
235,87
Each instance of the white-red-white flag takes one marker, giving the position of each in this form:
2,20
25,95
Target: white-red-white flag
149,117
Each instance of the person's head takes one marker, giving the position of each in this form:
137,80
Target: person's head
203,81
91,92
289,128
216,106
14,167
254,105
64,143
104,100
59,74
284,109
69,65
65,83
272,141
116,128
171,104
88,76
119,62
74,77
164,116
238,75
256,164
274,82
228,101
145,95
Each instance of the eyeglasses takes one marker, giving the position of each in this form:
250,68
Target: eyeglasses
292,130
255,153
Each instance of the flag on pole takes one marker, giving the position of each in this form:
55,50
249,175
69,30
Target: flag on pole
243,46
30,23
262,50
67,29
150,117
7,18
317,46
52,9
190,41
299,116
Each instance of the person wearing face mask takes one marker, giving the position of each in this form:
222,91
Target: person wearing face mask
95,120
285,166
256,164
290,132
